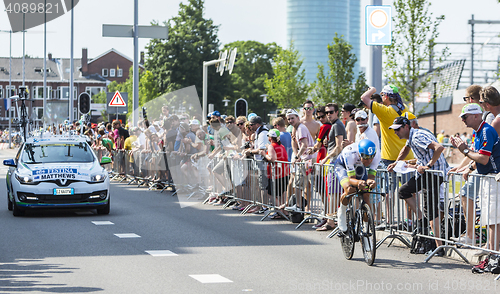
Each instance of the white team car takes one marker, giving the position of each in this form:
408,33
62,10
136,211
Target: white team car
57,172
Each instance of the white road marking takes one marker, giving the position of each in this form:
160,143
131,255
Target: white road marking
160,253
128,235
102,223
210,279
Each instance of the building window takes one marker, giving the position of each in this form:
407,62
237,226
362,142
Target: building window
1,92
94,90
120,73
104,72
112,72
38,112
38,92
63,93
12,91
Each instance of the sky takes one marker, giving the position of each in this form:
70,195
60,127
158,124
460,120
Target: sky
260,20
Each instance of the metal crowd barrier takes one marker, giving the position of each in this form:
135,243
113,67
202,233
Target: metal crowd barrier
461,208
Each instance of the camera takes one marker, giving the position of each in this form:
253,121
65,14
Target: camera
23,92
247,145
361,104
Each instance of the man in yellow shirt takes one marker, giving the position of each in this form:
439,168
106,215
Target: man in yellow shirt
128,145
386,112
391,107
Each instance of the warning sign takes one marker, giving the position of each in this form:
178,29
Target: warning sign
117,100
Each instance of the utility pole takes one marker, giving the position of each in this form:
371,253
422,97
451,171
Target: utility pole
472,22
135,31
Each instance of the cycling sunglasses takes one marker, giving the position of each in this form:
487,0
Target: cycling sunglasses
365,156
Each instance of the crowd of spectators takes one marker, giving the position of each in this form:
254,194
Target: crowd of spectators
318,134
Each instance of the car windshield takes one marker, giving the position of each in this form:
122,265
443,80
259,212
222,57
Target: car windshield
52,153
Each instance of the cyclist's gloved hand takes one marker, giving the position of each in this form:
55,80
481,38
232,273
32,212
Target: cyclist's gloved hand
371,183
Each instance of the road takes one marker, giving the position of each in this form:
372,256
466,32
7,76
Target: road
199,249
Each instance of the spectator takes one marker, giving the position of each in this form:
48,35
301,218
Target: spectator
473,95
261,142
440,137
414,124
320,147
486,154
322,139
129,144
429,156
391,107
336,136
285,137
337,133
165,112
375,121
277,173
490,101
308,119
350,125
302,139
222,136
240,124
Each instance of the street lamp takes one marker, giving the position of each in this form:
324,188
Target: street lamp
264,97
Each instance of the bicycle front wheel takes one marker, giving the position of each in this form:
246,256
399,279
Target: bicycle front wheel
367,234
347,238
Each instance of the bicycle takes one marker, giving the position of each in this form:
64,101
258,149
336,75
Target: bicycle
360,230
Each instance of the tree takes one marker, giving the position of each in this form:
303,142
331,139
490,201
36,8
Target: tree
413,42
288,87
253,63
177,63
338,84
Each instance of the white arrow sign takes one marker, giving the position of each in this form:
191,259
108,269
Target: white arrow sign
379,35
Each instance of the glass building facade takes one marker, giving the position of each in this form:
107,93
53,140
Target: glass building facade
312,24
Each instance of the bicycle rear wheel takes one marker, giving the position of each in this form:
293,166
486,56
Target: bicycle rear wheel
367,234
347,238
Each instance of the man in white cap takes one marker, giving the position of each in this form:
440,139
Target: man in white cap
301,139
486,154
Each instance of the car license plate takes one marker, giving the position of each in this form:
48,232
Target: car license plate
64,191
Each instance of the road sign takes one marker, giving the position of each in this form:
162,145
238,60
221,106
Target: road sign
114,109
117,100
378,22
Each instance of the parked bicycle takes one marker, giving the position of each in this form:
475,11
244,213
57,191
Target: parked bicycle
360,228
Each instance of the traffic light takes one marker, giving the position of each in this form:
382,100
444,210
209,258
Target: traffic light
84,103
240,107
144,114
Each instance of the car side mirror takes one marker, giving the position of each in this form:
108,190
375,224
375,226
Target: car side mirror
104,160
9,162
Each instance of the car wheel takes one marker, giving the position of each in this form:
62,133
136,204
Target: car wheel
17,211
104,210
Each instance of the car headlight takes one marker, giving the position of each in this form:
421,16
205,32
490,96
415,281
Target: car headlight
25,179
98,178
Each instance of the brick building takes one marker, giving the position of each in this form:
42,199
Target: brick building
90,75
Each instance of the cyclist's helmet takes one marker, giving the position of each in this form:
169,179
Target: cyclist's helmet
367,149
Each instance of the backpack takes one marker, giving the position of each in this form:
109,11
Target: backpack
422,245
296,217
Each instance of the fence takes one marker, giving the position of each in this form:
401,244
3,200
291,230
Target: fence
447,209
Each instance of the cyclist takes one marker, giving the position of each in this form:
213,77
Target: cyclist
356,168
